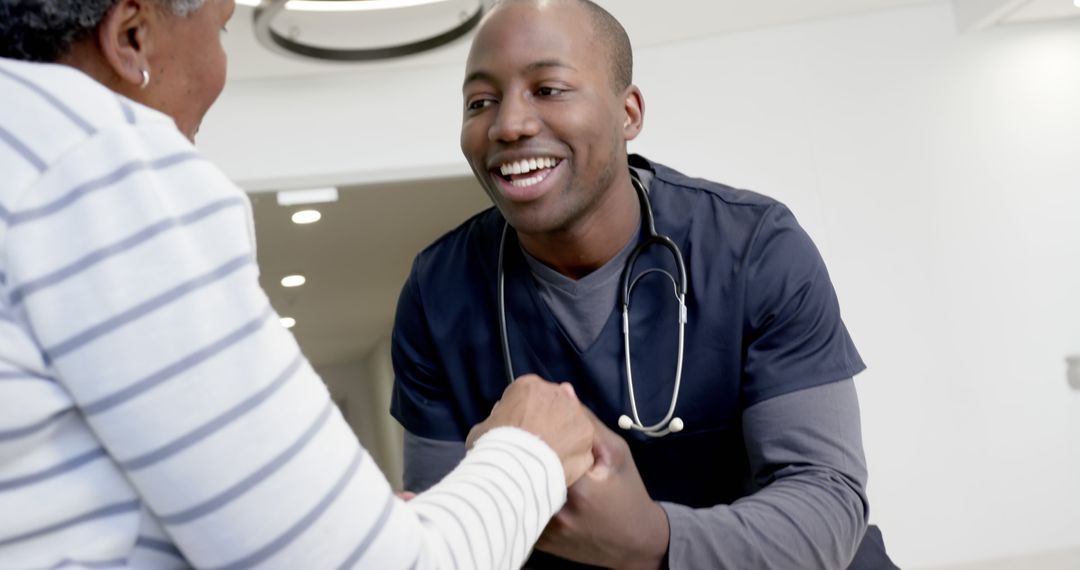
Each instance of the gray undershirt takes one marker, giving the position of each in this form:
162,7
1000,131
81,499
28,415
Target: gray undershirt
583,306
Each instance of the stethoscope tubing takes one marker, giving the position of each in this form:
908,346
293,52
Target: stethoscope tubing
670,423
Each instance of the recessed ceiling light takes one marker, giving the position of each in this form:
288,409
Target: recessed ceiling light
293,280
288,322
310,216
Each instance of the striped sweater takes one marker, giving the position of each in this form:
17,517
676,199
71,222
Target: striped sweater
153,413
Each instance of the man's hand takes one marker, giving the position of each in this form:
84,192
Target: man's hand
609,519
550,411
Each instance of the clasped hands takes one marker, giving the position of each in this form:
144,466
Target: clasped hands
609,520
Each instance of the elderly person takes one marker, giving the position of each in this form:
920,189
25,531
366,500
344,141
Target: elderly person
153,413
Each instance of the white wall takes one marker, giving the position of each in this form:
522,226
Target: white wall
362,387
379,374
350,128
940,176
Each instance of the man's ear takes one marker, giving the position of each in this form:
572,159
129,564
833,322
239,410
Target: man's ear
634,106
124,36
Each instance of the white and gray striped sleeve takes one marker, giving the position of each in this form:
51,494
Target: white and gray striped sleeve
131,261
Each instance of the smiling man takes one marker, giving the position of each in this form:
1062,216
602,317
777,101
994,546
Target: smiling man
756,460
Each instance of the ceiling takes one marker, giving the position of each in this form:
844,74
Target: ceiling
646,22
1042,10
355,259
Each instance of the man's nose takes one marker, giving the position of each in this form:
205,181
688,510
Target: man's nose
516,120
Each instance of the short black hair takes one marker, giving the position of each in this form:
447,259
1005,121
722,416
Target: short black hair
45,30
611,35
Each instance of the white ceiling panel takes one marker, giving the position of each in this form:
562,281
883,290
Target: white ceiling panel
1042,10
648,23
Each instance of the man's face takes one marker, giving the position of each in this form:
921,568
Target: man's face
543,127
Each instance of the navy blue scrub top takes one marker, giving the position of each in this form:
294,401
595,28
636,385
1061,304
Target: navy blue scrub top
763,321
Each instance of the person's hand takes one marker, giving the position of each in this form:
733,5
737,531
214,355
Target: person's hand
609,519
550,411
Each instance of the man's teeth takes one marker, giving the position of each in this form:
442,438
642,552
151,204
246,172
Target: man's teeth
526,182
526,166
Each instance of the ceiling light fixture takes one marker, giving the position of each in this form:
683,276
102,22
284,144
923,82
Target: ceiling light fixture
343,5
291,281
287,322
306,217
311,196
267,10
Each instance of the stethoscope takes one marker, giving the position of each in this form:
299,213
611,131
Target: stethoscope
670,423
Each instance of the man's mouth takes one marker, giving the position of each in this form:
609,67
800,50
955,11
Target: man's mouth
527,172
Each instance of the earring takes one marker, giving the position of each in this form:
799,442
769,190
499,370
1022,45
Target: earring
145,79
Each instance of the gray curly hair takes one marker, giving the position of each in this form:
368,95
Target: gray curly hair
44,30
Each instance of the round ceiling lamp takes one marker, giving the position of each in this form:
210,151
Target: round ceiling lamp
268,11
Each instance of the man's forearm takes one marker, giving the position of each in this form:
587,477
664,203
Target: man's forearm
802,522
806,452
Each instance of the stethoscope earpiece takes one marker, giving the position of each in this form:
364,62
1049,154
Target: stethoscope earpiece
625,422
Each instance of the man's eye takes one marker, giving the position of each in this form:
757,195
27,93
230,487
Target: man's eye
478,104
549,91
